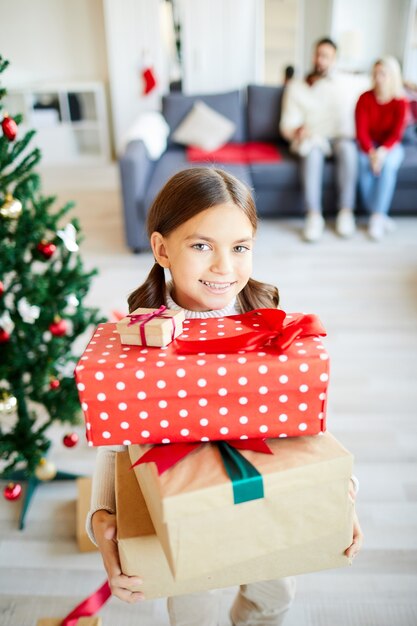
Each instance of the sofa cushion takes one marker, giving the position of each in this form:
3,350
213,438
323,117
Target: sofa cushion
410,135
286,174
246,152
264,112
175,160
204,128
407,174
175,107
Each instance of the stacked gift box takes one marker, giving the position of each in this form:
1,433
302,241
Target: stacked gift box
142,545
226,429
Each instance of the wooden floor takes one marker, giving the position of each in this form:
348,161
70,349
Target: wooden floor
366,295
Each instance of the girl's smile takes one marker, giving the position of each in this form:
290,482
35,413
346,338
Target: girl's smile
217,286
209,257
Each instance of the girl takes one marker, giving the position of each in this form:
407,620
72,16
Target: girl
201,228
380,124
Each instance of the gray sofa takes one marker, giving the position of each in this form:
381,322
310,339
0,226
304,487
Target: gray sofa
276,186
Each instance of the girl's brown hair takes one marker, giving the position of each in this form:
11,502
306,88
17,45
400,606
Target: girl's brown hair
185,195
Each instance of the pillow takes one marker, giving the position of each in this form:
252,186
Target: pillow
153,130
204,128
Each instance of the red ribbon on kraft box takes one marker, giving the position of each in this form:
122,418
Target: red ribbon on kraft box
143,318
166,456
247,481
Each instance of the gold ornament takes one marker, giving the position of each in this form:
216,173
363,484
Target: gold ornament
12,208
8,403
46,470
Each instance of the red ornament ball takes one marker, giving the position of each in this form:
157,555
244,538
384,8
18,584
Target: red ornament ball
4,336
54,383
58,327
1,288
46,248
70,440
12,491
9,127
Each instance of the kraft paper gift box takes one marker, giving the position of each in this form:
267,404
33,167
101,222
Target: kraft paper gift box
141,553
83,506
181,393
201,529
150,327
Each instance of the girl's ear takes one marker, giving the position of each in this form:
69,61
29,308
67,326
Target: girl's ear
159,249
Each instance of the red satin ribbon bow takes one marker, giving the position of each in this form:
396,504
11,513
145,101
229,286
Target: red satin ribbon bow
88,607
166,456
274,328
143,318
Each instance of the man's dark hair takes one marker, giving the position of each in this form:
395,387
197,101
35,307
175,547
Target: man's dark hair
289,72
328,41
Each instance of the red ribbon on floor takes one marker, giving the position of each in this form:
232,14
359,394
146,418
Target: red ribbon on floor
88,607
275,329
166,456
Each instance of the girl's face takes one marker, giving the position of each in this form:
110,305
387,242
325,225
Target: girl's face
209,257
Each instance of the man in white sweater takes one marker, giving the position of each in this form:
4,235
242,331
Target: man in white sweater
318,120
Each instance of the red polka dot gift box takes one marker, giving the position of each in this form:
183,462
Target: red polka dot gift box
255,375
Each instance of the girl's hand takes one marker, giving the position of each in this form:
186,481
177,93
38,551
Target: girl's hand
357,540
104,527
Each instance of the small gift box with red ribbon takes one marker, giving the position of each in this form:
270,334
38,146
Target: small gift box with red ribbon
150,327
259,374
222,505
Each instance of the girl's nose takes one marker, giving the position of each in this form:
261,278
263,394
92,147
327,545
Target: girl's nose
222,264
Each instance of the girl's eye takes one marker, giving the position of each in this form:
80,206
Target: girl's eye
241,249
200,246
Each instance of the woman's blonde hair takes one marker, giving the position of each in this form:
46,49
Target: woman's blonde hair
395,81
186,194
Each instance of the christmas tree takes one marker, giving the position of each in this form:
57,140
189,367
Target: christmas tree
42,287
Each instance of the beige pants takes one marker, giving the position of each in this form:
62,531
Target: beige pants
257,604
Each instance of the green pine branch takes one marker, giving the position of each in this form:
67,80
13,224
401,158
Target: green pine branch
36,291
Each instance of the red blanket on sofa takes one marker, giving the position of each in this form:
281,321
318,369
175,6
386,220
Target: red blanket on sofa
240,153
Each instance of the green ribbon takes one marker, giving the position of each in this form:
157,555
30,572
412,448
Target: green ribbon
246,480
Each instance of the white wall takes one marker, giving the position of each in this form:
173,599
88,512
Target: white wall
131,34
66,40
410,44
222,44
47,40
317,24
284,38
368,29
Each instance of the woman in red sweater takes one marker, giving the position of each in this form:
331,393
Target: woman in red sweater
380,121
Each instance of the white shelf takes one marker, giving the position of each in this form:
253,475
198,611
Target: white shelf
70,119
